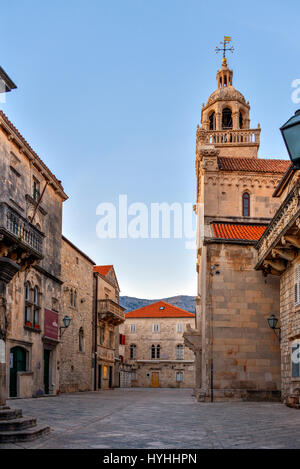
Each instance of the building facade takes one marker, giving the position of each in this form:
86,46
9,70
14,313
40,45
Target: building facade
76,340
155,347
278,254
237,355
110,315
30,226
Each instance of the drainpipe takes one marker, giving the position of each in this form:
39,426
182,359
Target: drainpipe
95,329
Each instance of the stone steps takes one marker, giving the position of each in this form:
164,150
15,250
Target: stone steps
28,434
10,414
14,427
17,424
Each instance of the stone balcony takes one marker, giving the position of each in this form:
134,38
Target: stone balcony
233,137
281,241
111,312
19,239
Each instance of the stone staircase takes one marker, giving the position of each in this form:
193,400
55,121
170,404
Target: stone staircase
14,427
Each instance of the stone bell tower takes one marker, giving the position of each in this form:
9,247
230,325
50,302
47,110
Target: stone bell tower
226,121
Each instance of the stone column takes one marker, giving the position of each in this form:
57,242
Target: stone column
8,269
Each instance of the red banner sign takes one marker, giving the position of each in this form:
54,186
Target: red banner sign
51,324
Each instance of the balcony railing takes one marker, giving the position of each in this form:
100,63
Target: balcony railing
19,229
233,137
283,219
111,311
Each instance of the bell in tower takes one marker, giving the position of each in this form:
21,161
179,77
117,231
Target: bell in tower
225,117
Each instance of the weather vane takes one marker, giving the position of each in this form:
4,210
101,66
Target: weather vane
224,49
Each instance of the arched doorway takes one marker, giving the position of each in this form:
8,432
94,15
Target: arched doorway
17,363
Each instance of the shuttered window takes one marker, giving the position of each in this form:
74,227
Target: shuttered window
297,286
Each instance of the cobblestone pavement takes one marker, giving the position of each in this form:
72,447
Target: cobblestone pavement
158,418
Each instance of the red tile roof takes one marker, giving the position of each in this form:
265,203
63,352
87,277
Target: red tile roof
254,165
102,269
238,231
160,309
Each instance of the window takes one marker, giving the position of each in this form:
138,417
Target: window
246,204
180,327
296,359
111,339
132,328
297,285
155,352
227,118
36,189
36,307
81,339
179,352
155,328
132,352
28,305
101,335
240,120
179,376
133,375
212,121
73,298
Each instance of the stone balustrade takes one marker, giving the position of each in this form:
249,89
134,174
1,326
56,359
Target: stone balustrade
233,137
18,229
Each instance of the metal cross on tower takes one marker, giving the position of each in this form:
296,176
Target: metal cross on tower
227,40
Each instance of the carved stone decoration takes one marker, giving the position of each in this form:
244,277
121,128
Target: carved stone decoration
8,269
192,340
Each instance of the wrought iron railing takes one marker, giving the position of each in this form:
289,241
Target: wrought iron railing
21,229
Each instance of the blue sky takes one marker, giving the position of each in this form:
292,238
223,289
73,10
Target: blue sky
110,94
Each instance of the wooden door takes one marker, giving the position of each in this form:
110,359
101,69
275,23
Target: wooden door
17,363
155,380
46,370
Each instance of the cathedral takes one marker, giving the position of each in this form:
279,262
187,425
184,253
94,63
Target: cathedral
237,354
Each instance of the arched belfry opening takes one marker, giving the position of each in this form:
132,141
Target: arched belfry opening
212,121
226,118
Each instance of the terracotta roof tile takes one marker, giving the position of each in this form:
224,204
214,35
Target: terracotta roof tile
102,269
253,165
160,309
238,231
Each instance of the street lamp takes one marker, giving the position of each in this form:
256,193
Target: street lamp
272,321
66,321
291,135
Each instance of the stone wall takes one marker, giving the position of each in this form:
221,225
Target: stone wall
245,351
75,367
290,330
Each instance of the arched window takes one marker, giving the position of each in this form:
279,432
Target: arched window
158,351
212,121
227,118
153,354
36,308
28,305
75,299
241,122
71,297
179,352
246,204
132,352
81,338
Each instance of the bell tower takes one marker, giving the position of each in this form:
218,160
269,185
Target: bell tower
225,118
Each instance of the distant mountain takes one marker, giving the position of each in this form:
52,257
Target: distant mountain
181,301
